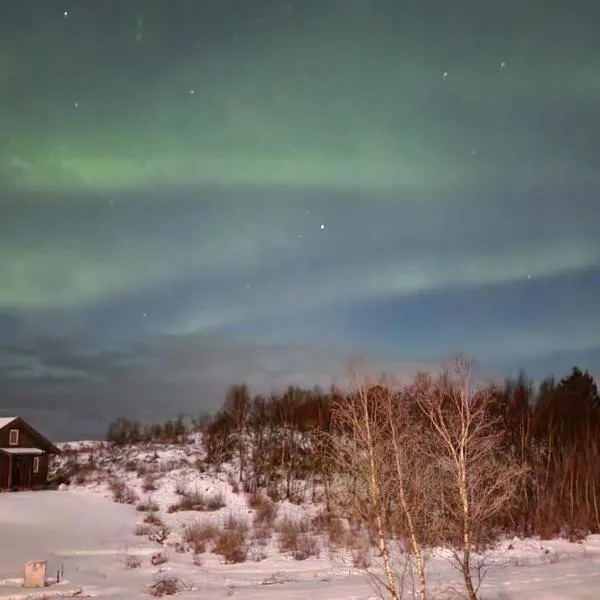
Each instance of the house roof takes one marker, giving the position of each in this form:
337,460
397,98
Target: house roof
45,443
4,421
21,451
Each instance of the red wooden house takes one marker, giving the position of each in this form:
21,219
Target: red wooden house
24,455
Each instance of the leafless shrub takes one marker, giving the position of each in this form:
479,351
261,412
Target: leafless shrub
198,535
274,492
265,513
143,529
233,483
231,542
132,562
166,586
159,534
255,498
362,557
361,549
130,466
180,489
122,493
289,531
306,546
160,558
153,518
257,550
81,478
520,561
332,526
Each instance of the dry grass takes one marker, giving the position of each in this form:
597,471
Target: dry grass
149,483
143,529
148,506
198,501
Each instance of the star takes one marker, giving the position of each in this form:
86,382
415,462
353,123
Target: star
322,227
66,14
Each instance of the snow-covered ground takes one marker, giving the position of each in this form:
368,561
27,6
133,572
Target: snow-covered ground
82,532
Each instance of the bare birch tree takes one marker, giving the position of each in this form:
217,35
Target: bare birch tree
409,473
476,481
358,440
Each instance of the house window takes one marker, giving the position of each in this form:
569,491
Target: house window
36,464
13,437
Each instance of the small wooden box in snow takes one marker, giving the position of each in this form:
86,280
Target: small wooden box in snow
35,574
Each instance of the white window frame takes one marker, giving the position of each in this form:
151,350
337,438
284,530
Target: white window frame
36,464
13,441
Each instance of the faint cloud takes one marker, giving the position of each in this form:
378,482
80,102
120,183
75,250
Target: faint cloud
155,379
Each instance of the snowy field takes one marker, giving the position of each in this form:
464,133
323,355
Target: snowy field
90,537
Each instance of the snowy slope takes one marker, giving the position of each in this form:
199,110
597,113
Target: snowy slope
92,538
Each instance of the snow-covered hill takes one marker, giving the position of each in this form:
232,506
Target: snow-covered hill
154,519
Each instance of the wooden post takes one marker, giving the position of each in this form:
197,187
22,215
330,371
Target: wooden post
10,467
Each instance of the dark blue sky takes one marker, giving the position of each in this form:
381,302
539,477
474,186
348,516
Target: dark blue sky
198,193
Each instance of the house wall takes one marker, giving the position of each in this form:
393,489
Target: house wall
38,479
27,478
4,462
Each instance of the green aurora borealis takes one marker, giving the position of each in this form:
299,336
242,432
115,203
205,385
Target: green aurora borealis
199,191
338,95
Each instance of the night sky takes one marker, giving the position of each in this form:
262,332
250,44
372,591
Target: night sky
195,193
